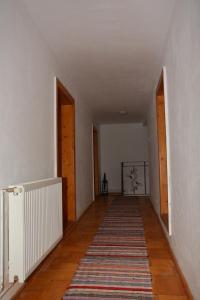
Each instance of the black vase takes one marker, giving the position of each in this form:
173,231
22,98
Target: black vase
104,189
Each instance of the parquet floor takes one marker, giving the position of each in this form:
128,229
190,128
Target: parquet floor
52,277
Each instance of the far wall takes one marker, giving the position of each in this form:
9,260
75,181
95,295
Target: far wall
121,142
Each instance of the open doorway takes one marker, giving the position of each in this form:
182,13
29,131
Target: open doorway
162,151
66,151
96,161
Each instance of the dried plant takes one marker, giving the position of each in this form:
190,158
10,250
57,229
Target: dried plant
134,179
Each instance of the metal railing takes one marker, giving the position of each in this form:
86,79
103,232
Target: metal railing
135,178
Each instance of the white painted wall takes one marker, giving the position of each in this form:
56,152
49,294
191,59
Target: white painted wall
27,70
183,74
121,142
84,164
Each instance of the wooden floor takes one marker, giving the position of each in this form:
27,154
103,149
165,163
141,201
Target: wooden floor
54,275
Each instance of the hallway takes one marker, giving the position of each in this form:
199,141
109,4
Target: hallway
98,97
51,279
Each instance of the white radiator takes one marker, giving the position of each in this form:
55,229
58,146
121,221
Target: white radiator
35,225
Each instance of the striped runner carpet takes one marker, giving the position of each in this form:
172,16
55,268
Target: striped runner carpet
116,264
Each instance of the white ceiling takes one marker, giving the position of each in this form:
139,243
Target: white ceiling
111,49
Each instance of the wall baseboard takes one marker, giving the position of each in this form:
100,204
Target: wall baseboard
12,291
182,276
115,194
72,225
83,213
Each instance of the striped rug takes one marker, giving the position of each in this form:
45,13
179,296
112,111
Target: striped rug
116,264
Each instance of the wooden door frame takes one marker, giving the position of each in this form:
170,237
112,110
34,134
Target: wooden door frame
60,87
162,129
96,177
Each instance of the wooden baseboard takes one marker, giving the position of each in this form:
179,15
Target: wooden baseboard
72,225
84,212
67,230
13,292
115,194
184,281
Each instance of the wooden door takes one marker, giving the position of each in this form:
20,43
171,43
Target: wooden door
66,151
96,161
162,150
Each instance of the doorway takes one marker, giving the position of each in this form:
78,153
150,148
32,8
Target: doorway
162,151
66,151
96,161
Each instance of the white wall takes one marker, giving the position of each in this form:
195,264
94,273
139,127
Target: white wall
182,61
84,155
27,70
121,142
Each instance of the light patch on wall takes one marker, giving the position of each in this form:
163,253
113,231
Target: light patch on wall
168,149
